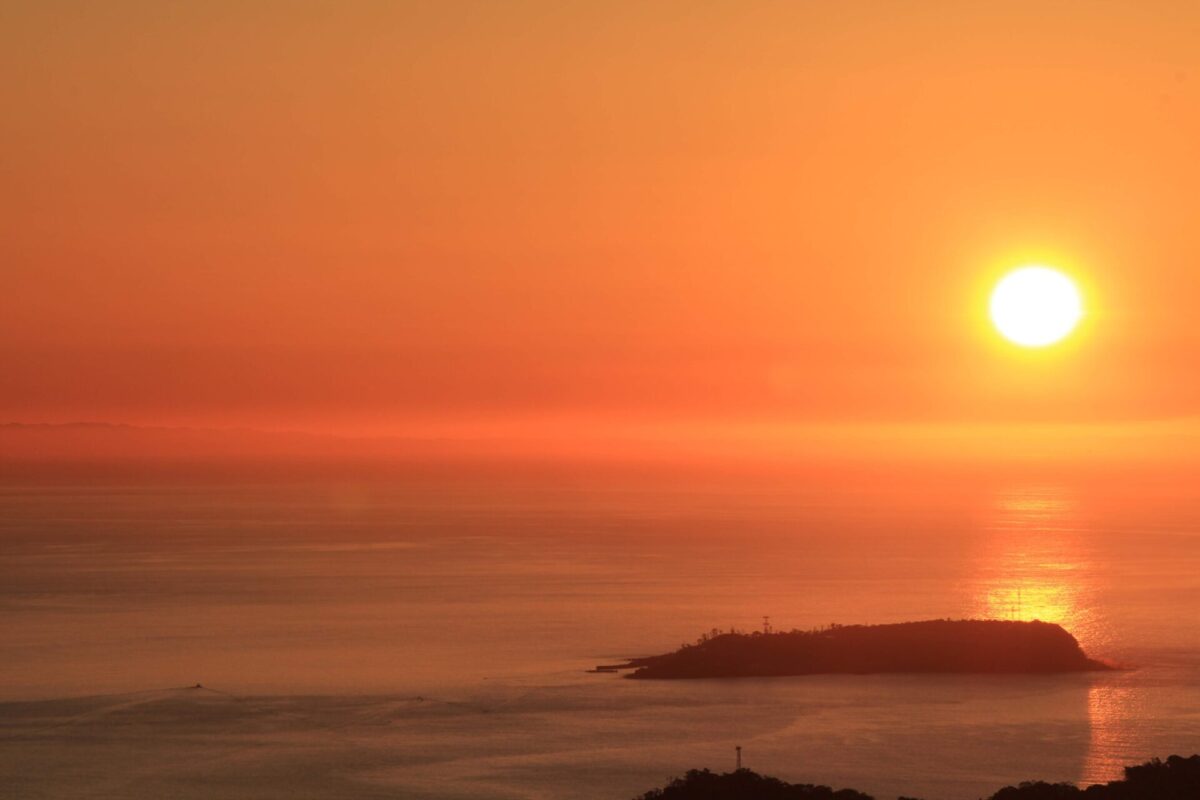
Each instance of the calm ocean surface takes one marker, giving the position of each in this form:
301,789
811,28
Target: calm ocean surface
426,639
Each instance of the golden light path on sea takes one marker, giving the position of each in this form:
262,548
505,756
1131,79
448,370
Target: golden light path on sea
1037,563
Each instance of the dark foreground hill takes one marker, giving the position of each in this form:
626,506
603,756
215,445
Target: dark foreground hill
946,646
744,785
1177,778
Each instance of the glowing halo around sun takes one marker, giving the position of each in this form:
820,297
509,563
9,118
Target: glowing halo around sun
1036,306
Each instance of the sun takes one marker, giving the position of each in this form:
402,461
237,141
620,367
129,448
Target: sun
1036,306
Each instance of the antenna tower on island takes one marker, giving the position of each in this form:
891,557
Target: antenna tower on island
766,624
739,756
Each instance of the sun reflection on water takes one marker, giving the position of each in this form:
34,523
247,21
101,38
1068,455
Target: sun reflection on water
1111,707
1036,563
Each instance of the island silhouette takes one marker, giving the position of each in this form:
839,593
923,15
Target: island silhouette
932,646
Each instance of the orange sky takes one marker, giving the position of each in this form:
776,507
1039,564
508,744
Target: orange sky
378,216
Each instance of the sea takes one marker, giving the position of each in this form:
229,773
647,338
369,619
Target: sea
429,635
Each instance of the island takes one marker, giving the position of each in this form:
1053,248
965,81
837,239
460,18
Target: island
933,646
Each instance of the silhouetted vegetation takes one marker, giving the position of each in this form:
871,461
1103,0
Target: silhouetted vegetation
1177,778
985,646
744,785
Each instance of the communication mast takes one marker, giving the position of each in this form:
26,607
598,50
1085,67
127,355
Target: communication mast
739,757
1016,606
766,624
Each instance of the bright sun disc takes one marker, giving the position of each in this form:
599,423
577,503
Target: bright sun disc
1036,306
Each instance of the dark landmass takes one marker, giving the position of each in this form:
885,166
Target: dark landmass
936,646
744,785
1177,778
